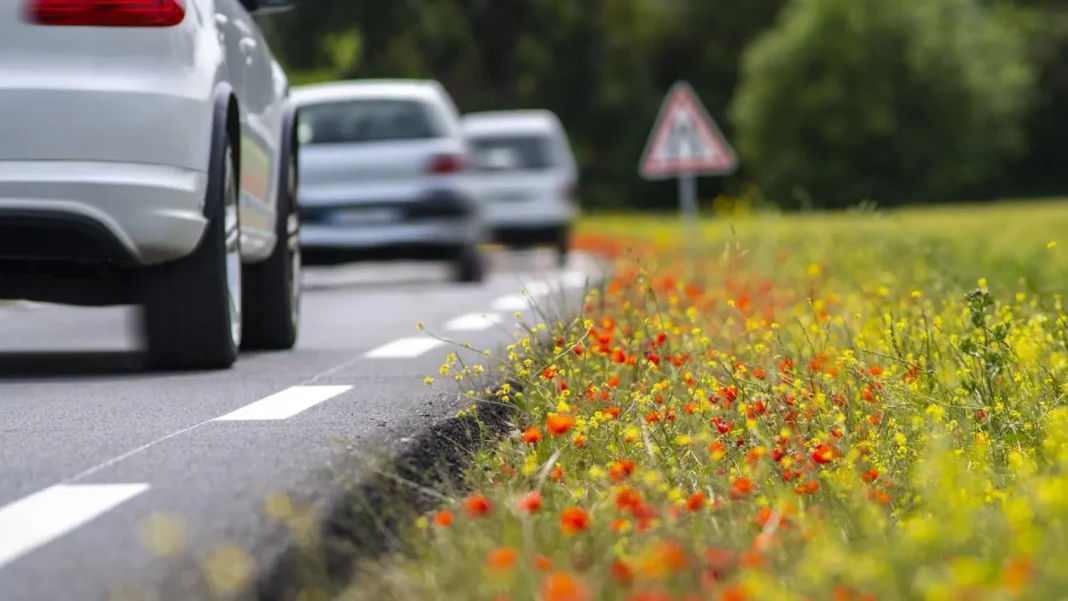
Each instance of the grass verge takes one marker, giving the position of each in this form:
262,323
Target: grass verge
865,406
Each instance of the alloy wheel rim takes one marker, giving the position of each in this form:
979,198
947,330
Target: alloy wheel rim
233,252
293,242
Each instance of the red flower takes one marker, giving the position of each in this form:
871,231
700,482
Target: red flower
628,498
530,502
622,572
696,501
477,506
822,454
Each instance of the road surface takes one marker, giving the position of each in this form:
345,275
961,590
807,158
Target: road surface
96,452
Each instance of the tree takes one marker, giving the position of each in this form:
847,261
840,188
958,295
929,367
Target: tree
909,100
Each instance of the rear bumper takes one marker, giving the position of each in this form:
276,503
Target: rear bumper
530,235
414,240
419,228
90,212
536,213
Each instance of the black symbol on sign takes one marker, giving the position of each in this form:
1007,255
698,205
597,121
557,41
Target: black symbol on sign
684,142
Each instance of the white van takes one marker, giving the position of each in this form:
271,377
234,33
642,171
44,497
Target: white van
526,175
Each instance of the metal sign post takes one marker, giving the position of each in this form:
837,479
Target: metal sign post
686,143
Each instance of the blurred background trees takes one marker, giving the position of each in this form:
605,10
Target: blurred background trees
830,102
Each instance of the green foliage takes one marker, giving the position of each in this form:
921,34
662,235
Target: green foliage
852,99
841,100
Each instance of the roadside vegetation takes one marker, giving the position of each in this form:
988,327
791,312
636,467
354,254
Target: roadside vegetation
853,406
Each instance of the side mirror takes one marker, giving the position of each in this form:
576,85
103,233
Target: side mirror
265,7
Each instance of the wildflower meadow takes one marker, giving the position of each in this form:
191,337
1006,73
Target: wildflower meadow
858,406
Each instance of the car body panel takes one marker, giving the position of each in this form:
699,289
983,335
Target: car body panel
532,189
116,122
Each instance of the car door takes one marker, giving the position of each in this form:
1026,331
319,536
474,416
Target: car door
249,63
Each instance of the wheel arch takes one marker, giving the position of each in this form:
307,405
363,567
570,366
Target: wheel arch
226,127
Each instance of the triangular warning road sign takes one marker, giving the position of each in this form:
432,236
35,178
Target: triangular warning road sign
686,140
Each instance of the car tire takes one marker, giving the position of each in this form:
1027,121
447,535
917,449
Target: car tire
191,319
469,267
273,287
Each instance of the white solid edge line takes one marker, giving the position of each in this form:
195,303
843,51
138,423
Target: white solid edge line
284,404
44,516
473,322
405,348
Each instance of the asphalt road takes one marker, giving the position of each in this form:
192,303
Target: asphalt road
94,449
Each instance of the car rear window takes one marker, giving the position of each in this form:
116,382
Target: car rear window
511,153
360,121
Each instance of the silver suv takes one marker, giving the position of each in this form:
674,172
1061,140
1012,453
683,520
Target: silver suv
384,176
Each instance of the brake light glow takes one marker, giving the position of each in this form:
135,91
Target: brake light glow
106,13
447,163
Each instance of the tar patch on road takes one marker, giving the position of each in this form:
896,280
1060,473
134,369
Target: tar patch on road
363,522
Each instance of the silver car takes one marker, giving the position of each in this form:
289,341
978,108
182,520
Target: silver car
384,176
147,156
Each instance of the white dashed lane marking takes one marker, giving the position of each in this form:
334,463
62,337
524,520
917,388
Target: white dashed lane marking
473,322
47,515
512,302
405,348
284,404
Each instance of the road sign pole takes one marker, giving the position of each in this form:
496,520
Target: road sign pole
688,206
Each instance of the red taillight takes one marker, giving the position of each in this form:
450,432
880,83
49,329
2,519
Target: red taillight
447,163
106,13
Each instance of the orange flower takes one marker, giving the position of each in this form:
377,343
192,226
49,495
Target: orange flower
574,520
741,487
561,586
734,593
613,381
556,474
716,450
763,516
530,502
532,435
477,505
501,559
1017,572
580,441
542,563
621,470
622,572
663,560
651,595
759,373
443,518
559,423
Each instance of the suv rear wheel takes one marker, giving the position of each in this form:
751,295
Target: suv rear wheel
192,306
272,288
